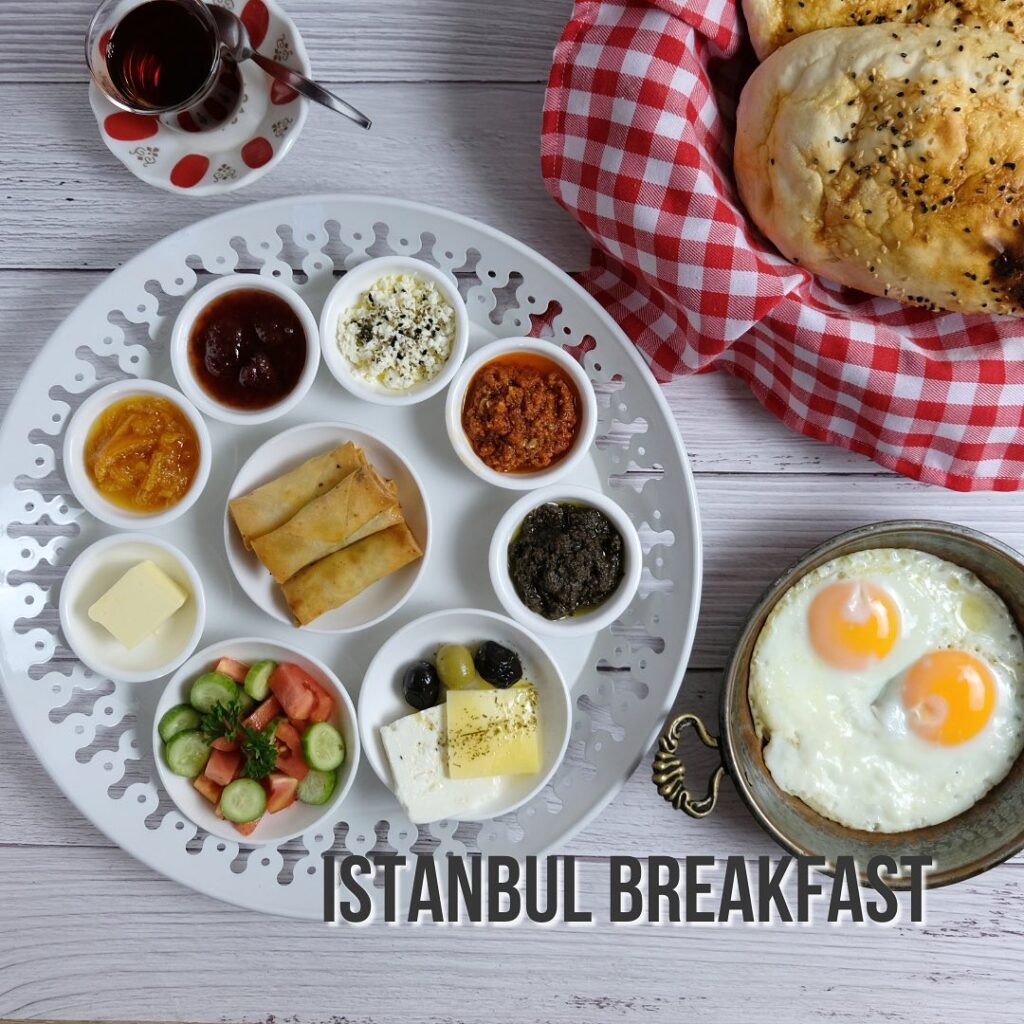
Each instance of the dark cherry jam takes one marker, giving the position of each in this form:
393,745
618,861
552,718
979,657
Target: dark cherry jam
248,349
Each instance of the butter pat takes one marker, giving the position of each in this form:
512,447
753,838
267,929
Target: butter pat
416,748
138,604
493,732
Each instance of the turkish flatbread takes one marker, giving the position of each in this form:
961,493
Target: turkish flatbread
891,159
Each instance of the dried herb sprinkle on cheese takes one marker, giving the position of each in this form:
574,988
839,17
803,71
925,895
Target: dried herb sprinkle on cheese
399,333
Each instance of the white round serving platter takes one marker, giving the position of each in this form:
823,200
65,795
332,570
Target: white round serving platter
93,735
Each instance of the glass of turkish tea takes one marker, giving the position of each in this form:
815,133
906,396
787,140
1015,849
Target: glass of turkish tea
164,58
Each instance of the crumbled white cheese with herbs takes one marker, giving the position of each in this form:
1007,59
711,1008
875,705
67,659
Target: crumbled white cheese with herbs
399,333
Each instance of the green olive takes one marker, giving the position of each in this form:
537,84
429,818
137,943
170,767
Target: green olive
455,666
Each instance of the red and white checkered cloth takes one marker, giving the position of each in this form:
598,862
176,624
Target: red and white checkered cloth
637,145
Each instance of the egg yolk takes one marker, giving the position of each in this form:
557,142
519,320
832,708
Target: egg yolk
853,624
948,696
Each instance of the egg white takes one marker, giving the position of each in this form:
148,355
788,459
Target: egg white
839,740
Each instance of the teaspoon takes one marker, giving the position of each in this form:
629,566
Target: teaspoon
234,37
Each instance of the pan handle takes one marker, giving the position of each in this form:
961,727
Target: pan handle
669,773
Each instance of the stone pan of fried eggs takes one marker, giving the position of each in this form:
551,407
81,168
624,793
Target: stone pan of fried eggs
887,687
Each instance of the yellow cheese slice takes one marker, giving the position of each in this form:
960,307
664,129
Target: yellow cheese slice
493,732
138,604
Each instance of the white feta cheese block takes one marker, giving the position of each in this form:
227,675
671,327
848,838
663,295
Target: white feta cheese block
417,748
138,604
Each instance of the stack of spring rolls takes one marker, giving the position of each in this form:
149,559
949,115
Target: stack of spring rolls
326,530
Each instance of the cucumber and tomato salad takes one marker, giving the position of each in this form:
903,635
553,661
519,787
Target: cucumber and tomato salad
254,739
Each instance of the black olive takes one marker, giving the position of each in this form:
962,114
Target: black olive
421,685
498,665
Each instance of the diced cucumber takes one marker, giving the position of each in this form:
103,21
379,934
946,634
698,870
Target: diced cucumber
257,679
317,787
243,800
210,689
178,719
322,747
245,702
186,753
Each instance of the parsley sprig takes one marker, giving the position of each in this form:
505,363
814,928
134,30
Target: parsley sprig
259,751
258,748
221,720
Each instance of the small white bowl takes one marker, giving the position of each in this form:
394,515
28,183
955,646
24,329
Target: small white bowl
291,448
381,701
588,623
457,397
345,293
93,573
182,367
293,821
74,455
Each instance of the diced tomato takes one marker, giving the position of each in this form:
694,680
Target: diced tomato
323,709
248,827
289,751
223,743
209,788
232,669
294,689
301,696
263,714
293,765
298,725
218,811
280,791
223,766
287,734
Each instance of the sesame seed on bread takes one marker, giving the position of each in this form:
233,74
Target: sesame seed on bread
773,23
891,159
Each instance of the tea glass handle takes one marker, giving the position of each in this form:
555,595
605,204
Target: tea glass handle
669,773
308,88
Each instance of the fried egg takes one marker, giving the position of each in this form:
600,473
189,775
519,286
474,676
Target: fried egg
887,687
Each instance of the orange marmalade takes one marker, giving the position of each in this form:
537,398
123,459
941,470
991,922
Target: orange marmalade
142,453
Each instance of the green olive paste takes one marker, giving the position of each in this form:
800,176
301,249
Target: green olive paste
565,559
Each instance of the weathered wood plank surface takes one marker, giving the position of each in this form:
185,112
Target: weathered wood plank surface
469,147
103,938
455,87
347,40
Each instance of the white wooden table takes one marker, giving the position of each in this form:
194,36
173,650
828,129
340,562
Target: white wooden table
455,89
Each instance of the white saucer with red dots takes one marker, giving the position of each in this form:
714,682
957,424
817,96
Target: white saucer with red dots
259,137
